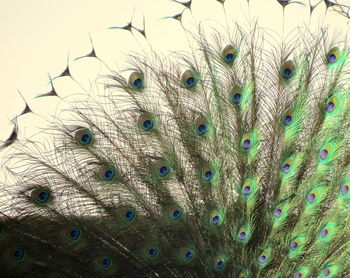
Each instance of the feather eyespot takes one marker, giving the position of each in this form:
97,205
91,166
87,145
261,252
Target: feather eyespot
41,195
325,153
229,54
72,234
314,196
136,80
333,55
248,189
219,263
188,254
280,212
287,166
146,122
162,170
332,105
189,79
83,137
301,272
247,141
330,271
287,70
295,245
129,215
216,218
126,214
277,212
236,95
344,189
75,233
201,126
246,144
17,254
264,257
311,197
344,192
107,173
326,272
327,231
104,262
243,234
175,213
151,252
288,118
207,174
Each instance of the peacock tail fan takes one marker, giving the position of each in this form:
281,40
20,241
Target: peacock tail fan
229,159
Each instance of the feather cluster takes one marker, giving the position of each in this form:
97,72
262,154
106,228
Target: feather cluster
231,160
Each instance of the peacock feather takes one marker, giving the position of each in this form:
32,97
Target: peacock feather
229,159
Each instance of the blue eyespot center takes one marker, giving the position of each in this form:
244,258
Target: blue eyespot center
246,144
324,233
191,81
129,215
201,129
152,252
330,106
332,58
229,58
293,245
311,197
109,174
262,258
147,124
208,175
326,272
43,196
247,190
18,254
237,98
286,168
106,262
242,235
189,255
85,139
75,233
345,189
220,264
164,170
288,120
176,214
215,220
287,73
323,154
277,212
138,83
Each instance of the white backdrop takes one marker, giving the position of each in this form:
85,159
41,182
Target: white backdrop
37,36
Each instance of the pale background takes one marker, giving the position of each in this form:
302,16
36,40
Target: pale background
37,35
